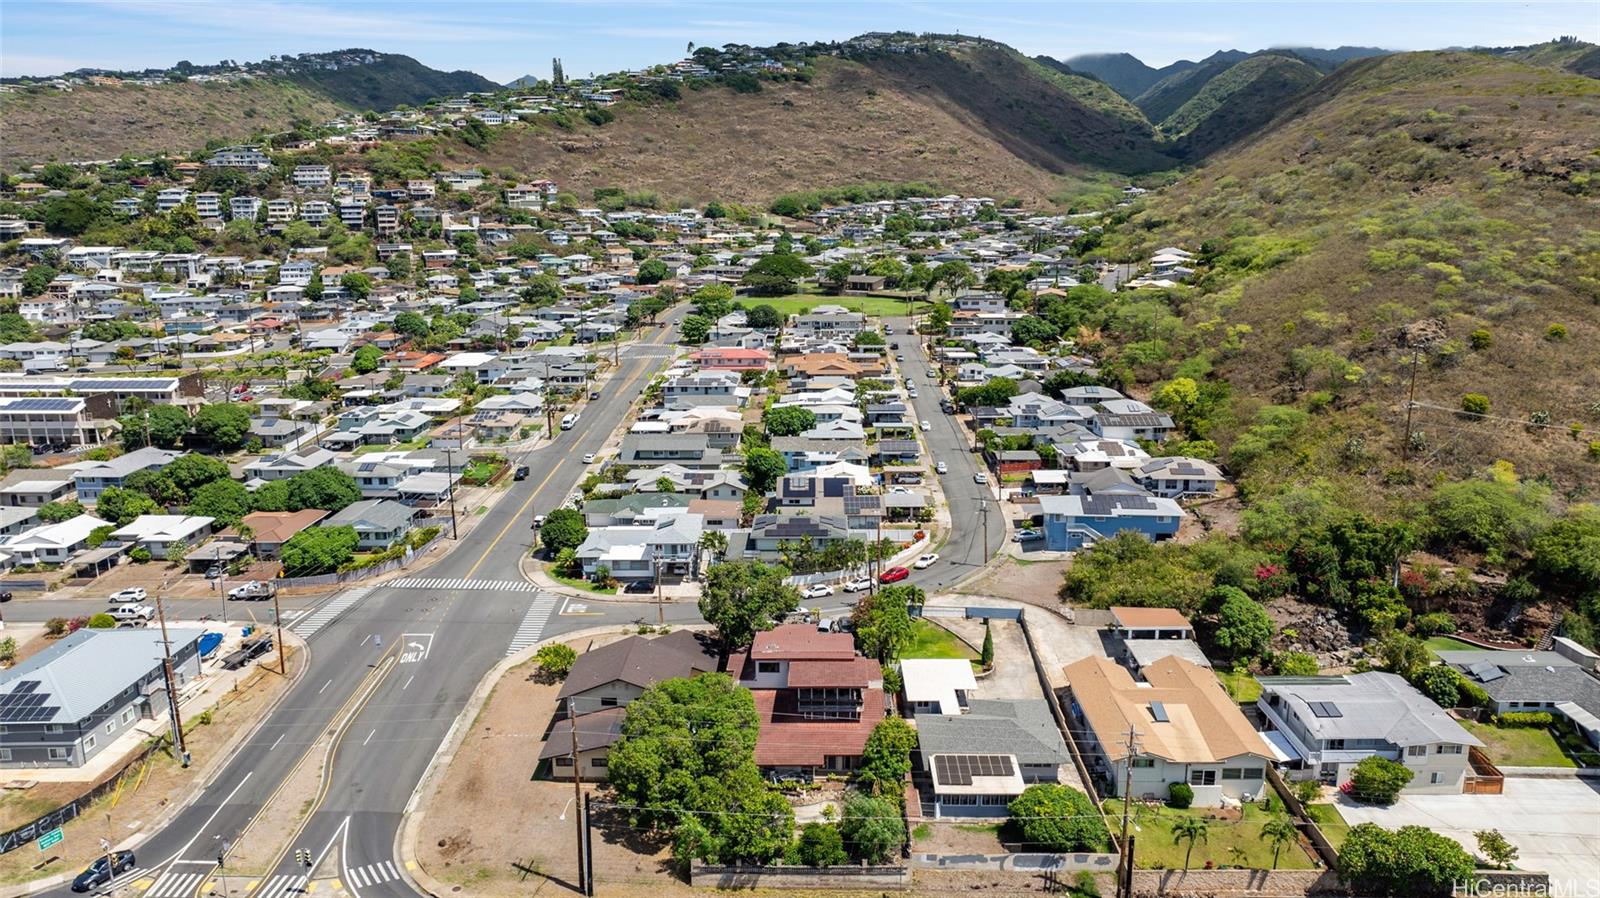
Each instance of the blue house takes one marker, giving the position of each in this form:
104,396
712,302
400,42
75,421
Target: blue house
1072,522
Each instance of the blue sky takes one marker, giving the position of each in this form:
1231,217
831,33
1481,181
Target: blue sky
503,40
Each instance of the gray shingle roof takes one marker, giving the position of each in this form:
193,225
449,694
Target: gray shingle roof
1022,728
87,669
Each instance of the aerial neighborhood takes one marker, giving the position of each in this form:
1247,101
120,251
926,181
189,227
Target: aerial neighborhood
378,522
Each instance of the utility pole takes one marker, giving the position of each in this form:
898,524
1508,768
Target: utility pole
577,798
588,830
277,619
172,688
450,486
1125,861
655,565
1411,403
983,512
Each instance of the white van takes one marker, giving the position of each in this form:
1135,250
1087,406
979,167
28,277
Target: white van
569,420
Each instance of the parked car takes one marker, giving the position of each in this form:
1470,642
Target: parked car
521,473
817,591
925,561
899,356
947,407
942,468
893,575
131,594
912,393
980,477
1027,534
132,612
926,426
588,458
933,373
538,521
103,871
857,585
5,595
594,394
254,591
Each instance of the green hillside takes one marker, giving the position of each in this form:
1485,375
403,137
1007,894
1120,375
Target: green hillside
390,81
1427,206
1090,91
1168,95
1236,104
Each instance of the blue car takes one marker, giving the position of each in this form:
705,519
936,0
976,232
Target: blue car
99,873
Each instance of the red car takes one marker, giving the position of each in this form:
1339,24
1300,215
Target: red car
893,574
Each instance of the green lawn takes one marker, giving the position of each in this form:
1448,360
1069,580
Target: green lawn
1329,821
579,582
1450,644
1236,844
799,303
1519,747
1241,686
930,640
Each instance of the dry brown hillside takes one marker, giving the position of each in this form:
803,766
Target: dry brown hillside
105,122
853,123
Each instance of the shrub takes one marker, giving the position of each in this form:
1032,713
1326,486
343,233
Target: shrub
821,845
1413,861
8,650
1308,791
872,827
1480,339
1526,720
1555,333
1441,683
556,660
55,626
1295,664
1475,404
1180,795
886,759
1053,817
102,621
140,555
1434,624
1379,780
1496,848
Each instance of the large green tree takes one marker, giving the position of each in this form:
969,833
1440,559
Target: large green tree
872,827
329,489
563,528
1411,862
225,500
762,469
191,471
224,426
318,550
886,759
366,359
882,621
1053,817
741,597
162,426
788,420
121,506
1243,627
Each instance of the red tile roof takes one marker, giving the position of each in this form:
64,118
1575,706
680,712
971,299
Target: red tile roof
856,672
788,742
802,641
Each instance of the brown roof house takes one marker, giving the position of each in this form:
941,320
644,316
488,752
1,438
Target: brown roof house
272,529
1185,730
601,684
818,699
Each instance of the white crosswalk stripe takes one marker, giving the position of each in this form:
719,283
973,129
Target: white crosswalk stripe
462,583
282,885
532,626
122,879
372,874
173,884
326,614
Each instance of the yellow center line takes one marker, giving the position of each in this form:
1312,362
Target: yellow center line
553,471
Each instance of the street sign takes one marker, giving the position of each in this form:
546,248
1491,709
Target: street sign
53,837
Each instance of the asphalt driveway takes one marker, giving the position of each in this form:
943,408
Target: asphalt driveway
1555,823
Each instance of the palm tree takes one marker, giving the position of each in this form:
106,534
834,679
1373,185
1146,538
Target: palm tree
1279,831
1188,829
715,542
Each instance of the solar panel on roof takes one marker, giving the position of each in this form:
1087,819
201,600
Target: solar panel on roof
958,770
1484,672
1326,709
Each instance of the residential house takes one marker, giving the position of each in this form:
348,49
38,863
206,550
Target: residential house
1323,726
95,479
817,698
89,688
937,685
161,534
379,523
669,547
1184,729
52,543
979,761
1561,683
604,681
1176,477
1073,522
731,359
269,530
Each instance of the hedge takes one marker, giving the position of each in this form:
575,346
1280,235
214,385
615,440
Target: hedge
1524,719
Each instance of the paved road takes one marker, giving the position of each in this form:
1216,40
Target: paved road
395,664
947,441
